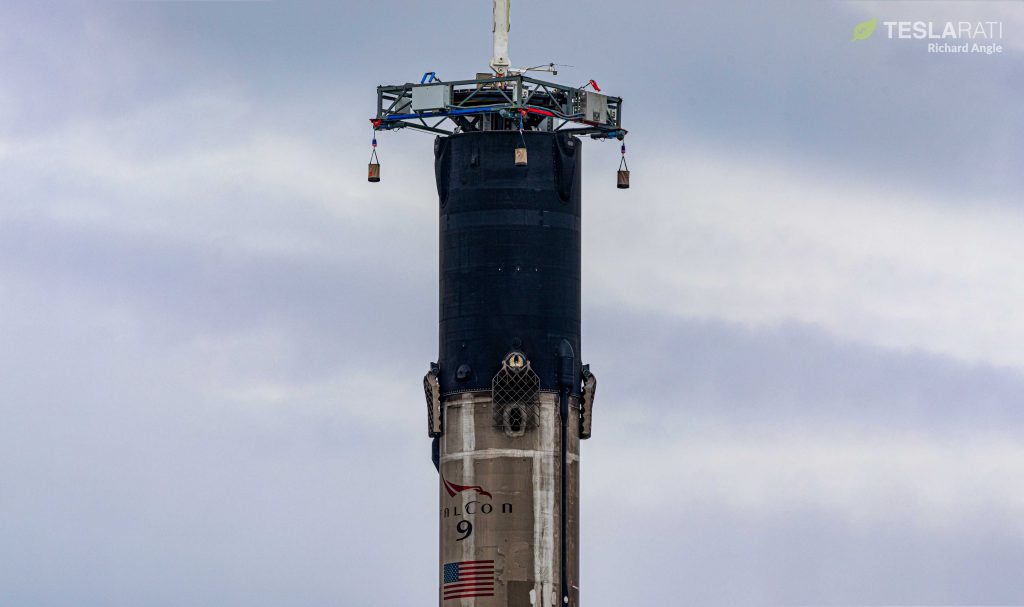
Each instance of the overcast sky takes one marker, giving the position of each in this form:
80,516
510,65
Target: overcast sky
805,315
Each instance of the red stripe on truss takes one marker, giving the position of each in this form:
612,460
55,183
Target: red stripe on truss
540,112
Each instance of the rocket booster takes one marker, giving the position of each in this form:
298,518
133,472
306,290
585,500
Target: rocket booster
508,398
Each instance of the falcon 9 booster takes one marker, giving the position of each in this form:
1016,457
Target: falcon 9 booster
508,399
508,370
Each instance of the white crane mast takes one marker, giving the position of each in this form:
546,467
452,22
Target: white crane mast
499,59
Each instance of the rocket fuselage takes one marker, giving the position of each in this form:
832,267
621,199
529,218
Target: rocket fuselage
510,254
509,371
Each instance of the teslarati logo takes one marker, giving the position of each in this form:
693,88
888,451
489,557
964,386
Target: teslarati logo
955,36
864,30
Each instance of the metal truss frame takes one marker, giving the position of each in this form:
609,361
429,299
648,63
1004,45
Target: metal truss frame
518,99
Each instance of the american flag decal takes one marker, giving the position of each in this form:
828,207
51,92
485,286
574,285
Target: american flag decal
468,578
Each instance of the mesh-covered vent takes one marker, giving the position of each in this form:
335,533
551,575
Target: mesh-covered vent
515,391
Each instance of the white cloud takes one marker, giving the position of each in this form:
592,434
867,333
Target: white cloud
764,241
205,167
861,477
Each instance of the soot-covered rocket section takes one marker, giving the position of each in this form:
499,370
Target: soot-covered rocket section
510,255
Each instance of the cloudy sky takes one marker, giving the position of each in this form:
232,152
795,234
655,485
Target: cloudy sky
805,315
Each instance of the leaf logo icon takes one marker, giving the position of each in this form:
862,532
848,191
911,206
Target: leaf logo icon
864,30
